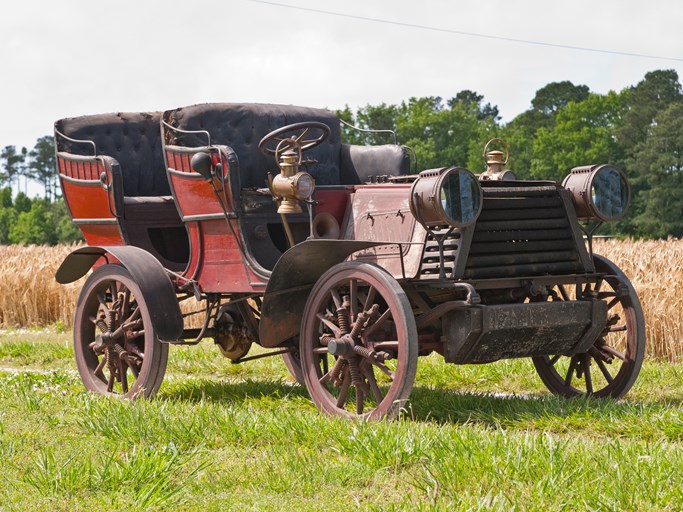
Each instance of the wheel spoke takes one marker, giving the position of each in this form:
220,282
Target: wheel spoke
329,325
124,376
587,374
344,391
100,367
103,302
110,382
554,359
126,304
618,328
384,368
614,352
612,303
353,298
378,323
384,345
359,400
372,382
134,370
336,298
113,289
563,292
570,372
598,286
604,370
370,298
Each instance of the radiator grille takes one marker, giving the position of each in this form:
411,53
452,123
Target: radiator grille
522,231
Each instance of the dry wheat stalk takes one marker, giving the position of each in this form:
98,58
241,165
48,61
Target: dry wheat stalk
29,295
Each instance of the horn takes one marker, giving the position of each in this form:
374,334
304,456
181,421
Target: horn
325,226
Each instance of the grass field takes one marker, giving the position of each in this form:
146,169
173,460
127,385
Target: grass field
243,437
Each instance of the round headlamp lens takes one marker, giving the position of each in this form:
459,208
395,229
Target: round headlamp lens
610,193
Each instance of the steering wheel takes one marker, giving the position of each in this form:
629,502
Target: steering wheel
294,135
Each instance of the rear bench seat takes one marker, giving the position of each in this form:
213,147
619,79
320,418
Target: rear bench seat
141,196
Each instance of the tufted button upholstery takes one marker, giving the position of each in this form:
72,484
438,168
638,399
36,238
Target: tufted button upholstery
242,126
132,138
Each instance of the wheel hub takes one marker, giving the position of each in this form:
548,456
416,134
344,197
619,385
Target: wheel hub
342,347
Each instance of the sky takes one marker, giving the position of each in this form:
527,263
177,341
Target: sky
74,57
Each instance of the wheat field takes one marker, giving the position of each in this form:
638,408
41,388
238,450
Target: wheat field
30,297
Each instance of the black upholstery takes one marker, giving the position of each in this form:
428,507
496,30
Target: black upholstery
242,126
132,138
359,164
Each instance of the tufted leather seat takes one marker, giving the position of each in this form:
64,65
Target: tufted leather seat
132,138
242,126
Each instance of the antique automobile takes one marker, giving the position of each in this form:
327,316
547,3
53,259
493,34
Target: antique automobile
334,257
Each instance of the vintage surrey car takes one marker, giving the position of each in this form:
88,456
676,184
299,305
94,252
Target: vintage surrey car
334,256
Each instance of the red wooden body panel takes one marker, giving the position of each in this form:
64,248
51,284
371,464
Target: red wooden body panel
333,200
87,200
216,261
102,234
192,194
223,269
90,202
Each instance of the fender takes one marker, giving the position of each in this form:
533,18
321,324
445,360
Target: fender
291,282
148,273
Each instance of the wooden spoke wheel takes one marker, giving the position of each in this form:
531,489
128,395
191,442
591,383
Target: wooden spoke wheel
358,343
612,364
117,351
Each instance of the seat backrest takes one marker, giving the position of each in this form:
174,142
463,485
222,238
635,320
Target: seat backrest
242,126
132,138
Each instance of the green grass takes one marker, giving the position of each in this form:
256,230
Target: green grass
244,437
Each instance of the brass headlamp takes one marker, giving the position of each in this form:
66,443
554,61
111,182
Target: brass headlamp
450,196
291,185
600,192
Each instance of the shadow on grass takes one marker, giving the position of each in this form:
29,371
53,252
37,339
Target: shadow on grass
446,406
426,404
230,392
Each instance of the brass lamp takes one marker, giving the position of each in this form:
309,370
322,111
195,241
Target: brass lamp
291,185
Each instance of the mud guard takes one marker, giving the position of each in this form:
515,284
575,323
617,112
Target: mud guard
291,282
148,273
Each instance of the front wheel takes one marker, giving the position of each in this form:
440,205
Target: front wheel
117,351
358,343
612,364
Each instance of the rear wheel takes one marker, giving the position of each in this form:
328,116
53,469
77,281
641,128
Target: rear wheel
358,344
612,364
117,351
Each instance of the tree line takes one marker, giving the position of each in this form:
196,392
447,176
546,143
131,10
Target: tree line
639,129
40,220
